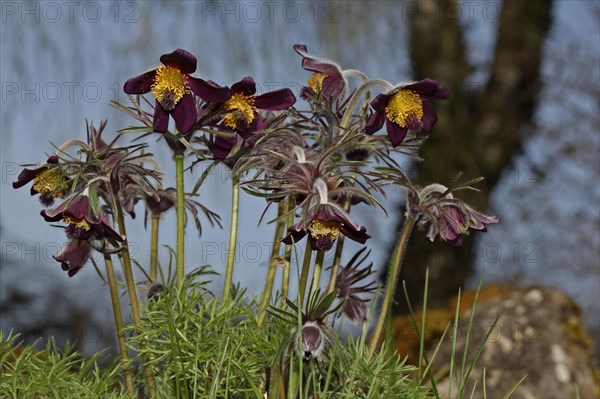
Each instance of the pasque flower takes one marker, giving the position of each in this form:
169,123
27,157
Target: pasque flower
172,85
406,108
327,79
82,222
82,226
47,181
241,112
447,218
323,227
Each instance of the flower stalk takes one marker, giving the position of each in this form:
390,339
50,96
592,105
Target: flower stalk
317,271
305,270
273,262
154,248
285,278
235,205
135,308
114,296
391,282
180,219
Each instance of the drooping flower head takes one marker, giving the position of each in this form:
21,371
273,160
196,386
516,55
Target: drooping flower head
447,218
82,222
327,79
324,226
172,85
241,115
48,181
83,225
406,108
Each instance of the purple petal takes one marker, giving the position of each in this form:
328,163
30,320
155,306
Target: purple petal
104,230
26,176
381,101
74,255
256,125
245,86
222,146
429,116
160,123
295,234
355,309
333,86
330,213
209,91
311,63
395,133
429,88
141,84
180,59
185,114
275,100
375,122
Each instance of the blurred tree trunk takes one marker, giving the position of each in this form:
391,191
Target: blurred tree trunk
480,127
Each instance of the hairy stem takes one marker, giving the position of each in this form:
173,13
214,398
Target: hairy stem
273,262
392,280
180,219
114,296
337,257
362,89
135,308
317,271
305,269
235,206
154,248
285,279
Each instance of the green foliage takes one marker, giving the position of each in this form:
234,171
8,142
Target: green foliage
54,373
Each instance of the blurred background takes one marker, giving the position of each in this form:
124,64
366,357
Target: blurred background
524,112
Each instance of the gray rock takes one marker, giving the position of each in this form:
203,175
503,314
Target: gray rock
539,334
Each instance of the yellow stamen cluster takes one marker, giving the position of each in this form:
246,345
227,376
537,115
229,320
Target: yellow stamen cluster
81,223
49,181
403,106
315,82
169,87
242,108
319,229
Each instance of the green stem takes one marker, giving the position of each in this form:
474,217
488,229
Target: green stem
154,249
392,280
305,269
135,308
285,278
114,296
336,264
272,262
235,206
317,271
337,257
180,219
362,89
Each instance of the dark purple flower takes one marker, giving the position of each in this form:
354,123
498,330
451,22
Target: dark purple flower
242,116
173,86
82,223
406,108
47,181
354,307
327,79
74,256
450,219
324,226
